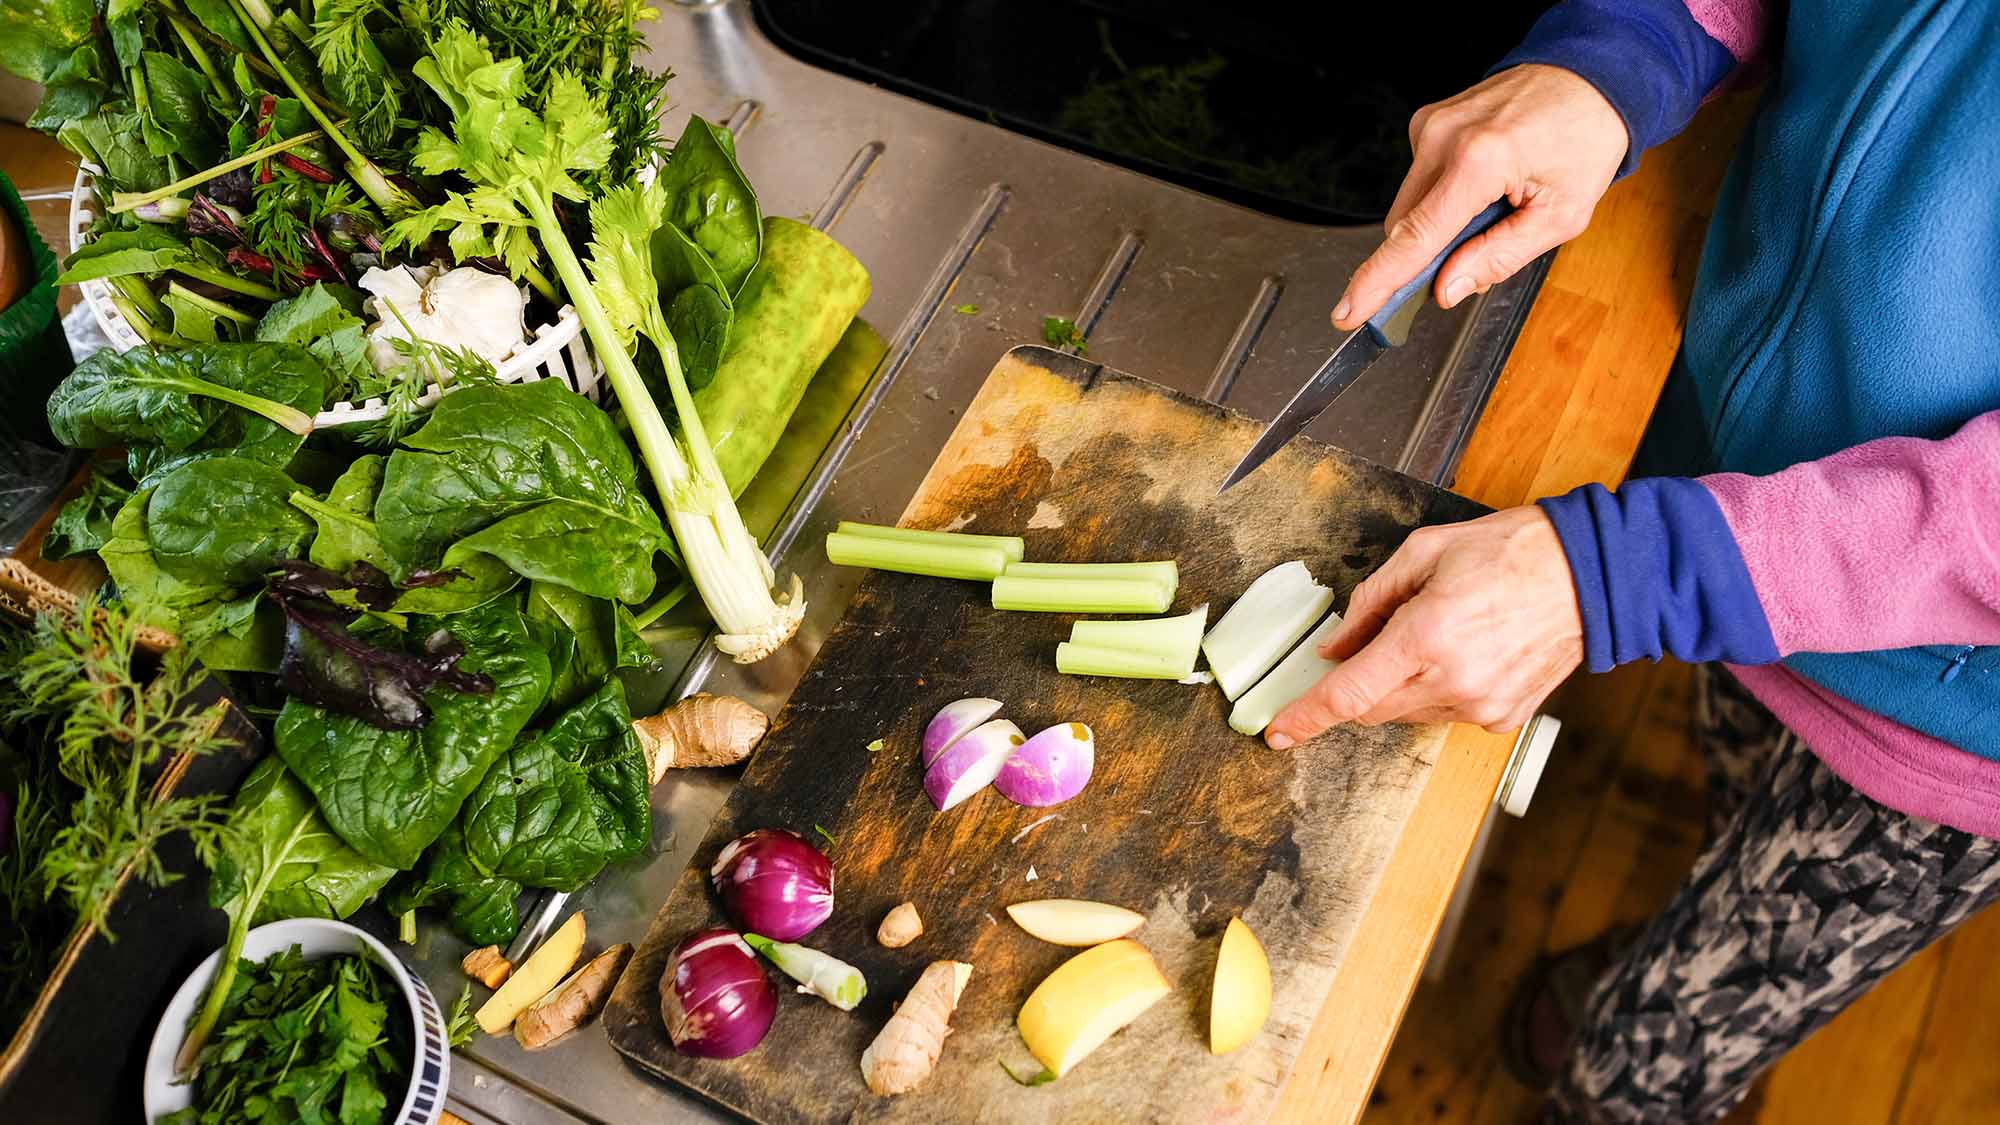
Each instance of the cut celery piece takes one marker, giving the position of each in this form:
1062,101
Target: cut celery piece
1263,625
1087,595
1008,545
1293,677
933,559
1180,636
1132,664
1166,572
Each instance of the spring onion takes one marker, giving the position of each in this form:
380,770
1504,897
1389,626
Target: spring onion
1165,573
938,560
1263,625
520,163
1132,664
1293,677
819,974
1009,545
1085,595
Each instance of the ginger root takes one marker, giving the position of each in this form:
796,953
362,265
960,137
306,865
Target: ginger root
565,1007
900,926
701,730
487,966
907,1047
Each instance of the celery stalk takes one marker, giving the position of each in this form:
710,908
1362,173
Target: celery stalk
1009,545
1176,635
1293,677
1132,664
1263,625
1088,595
1165,573
934,559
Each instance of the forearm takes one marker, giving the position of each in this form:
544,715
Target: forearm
1892,543
1653,60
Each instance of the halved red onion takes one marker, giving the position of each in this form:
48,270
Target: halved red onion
972,763
954,722
774,882
1049,768
714,996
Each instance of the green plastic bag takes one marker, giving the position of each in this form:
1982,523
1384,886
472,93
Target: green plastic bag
34,354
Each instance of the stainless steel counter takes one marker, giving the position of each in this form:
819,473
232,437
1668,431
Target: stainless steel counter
952,214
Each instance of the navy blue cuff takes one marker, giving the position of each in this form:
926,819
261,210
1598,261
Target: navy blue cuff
1658,571
1649,58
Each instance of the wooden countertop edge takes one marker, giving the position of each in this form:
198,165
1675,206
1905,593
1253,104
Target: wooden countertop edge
1569,409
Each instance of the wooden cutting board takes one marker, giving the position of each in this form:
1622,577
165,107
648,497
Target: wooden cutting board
1184,819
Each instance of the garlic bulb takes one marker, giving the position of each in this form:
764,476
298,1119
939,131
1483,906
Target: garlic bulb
457,308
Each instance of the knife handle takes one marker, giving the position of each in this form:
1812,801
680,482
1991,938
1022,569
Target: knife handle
1391,326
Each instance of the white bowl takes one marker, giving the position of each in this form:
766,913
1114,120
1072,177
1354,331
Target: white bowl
430,1070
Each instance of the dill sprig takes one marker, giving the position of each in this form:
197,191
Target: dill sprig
109,730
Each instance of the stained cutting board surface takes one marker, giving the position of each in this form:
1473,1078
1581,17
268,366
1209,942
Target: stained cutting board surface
1184,819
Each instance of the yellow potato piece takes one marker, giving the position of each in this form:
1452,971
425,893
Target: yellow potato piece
1074,921
1086,1000
543,970
1242,997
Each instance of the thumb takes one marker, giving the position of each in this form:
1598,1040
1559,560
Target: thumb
1495,255
1344,694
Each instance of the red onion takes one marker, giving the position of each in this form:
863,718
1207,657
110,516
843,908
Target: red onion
714,996
773,882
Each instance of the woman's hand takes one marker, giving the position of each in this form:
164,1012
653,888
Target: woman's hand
1539,135
1469,622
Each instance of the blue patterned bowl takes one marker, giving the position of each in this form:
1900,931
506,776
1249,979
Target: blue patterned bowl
423,1100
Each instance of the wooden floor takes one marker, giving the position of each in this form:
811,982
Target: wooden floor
1615,824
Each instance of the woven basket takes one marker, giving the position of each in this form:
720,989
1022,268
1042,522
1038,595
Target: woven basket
552,351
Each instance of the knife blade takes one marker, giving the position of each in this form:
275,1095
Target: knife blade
1388,328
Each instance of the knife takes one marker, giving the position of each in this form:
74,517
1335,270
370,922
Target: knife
1386,329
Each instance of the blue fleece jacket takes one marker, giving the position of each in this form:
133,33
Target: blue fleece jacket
1847,291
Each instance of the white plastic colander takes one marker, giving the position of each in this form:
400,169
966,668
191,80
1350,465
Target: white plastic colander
552,351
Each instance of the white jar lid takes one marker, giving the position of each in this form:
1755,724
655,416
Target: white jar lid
1524,769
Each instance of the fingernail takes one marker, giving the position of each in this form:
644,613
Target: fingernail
1279,742
1455,290
1341,310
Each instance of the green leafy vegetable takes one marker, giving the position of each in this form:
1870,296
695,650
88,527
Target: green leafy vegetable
480,905
173,406
319,1040
84,523
225,520
586,638
966,310
709,199
390,793
530,474
1061,332
217,623
148,250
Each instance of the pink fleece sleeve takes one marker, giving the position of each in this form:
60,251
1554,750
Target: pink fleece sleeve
1892,543
1736,24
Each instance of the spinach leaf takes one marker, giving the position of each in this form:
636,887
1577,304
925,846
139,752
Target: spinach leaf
481,904
587,639
225,521
113,138
176,113
204,320
225,628
389,794
146,249
531,474
84,523
282,860
52,42
170,407
220,19
565,801
709,198
317,310
347,535
696,301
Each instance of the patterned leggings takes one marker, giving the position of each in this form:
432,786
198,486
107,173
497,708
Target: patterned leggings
1806,895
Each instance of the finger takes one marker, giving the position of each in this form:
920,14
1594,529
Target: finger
1343,693
1421,696
1378,597
1494,256
1416,185
1459,194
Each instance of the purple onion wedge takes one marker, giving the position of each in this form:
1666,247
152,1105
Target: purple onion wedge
1049,768
714,996
954,722
972,763
774,882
